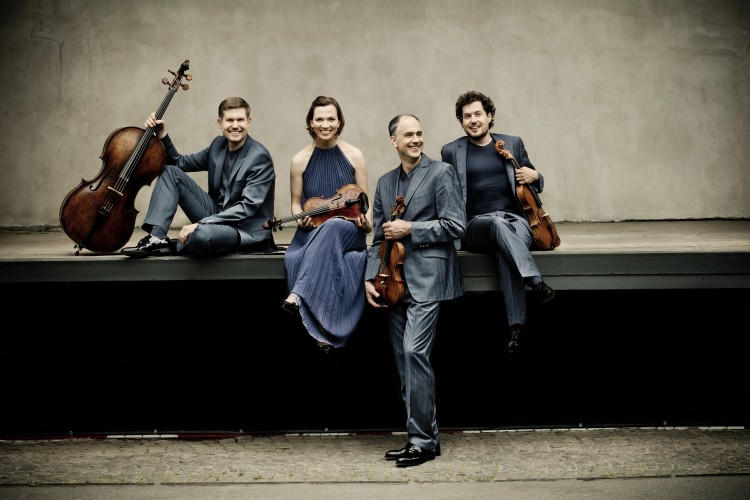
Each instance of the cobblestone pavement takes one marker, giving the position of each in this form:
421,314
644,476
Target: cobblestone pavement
487,456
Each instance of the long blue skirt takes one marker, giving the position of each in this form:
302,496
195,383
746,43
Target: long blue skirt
325,267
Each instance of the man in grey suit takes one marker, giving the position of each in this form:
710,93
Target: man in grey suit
433,218
229,217
496,221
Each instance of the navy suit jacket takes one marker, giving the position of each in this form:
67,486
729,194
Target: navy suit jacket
251,198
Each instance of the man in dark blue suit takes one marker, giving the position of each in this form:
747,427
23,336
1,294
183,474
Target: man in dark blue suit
229,217
433,218
497,223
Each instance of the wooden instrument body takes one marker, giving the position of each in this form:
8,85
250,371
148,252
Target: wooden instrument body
345,204
100,214
349,202
389,282
543,230
108,229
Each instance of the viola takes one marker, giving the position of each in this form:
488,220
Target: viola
100,214
348,203
389,282
543,229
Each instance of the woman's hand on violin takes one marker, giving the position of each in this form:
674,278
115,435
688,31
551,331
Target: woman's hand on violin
526,175
158,125
363,224
372,295
396,229
306,223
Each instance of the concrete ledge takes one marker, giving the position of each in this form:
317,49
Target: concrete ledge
593,256
621,271
563,271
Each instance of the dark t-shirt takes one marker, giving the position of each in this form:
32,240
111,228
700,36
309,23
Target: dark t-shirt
229,162
487,186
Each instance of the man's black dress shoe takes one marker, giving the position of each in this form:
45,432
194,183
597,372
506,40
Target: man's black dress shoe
414,455
396,454
512,342
407,455
151,246
324,347
542,292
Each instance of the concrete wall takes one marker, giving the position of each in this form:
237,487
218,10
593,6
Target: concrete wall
634,109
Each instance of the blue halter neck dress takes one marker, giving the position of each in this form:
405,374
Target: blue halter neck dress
325,267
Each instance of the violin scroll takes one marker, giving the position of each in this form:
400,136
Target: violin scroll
500,148
398,208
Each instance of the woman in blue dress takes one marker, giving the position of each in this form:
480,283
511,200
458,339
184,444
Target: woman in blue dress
325,265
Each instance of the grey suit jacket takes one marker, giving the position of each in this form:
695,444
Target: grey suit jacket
253,181
455,153
436,211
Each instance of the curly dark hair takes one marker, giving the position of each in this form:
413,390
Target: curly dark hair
472,95
319,102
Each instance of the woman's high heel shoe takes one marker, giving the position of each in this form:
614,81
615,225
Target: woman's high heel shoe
325,347
290,307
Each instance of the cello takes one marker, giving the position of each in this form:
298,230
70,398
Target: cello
389,282
100,214
542,228
348,203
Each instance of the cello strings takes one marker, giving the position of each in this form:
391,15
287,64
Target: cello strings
122,180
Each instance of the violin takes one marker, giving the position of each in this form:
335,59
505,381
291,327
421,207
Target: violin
348,203
543,229
100,214
389,282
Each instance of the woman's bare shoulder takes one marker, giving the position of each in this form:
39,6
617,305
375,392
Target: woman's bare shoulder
352,152
302,156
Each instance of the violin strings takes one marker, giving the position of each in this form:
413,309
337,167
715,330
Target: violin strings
321,210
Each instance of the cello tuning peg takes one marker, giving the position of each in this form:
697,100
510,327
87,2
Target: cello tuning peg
185,86
172,72
188,77
165,81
